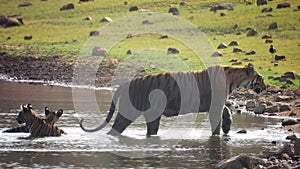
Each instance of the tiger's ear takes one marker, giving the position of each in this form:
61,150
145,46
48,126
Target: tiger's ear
47,111
29,106
250,69
60,112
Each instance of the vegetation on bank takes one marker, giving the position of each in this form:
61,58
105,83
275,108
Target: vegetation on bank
64,33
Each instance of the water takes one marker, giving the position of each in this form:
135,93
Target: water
187,146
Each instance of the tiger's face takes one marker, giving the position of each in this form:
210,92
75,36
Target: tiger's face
25,113
257,83
52,117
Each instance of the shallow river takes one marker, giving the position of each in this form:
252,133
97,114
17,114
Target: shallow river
182,142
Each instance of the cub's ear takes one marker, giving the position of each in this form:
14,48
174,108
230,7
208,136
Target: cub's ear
60,112
47,111
29,106
250,69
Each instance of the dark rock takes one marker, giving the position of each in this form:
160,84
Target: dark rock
13,22
182,3
85,0
261,2
283,98
267,36
237,63
252,32
272,109
233,60
269,9
242,132
260,109
284,108
129,35
291,75
133,8
88,18
174,11
251,52
240,161
279,57
222,46
223,14
235,26
233,43
284,5
268,41
287,122
236,50
67,7
227,6
94,33
250,105
273,25
172,51
97,51
146,22
164,37
24,4
129,52
291,137
217,54
27,37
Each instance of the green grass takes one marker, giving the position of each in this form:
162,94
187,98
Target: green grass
53,32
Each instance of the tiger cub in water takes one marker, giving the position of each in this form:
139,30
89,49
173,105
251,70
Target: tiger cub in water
51,117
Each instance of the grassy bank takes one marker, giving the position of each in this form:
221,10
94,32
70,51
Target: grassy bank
64,33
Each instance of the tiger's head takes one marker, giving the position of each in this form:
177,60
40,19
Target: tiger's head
52,117
25,113
245,77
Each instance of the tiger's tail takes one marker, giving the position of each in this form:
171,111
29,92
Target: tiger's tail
108,117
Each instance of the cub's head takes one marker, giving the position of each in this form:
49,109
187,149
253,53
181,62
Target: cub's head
52,116
25,113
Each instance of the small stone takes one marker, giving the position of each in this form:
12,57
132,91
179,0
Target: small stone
146,22
233,60
283,98
133,8
252,32
251,52
261,2
284,108
291,75
97,51
235,26
217,54
267,36
283,5
268,41
272,109
222,46
172,51
24,4
279,57
268,9
106,19
67,7
174,11
94,33
260,109
27,37
237,63
242,132
88,18
291,137
250,105
233,43
223,14
164,37
236,50
129,52
273,25
129,35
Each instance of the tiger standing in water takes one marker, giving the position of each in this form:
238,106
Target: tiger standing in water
37,126
184,92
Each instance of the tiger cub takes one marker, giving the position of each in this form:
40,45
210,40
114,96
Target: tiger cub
36,125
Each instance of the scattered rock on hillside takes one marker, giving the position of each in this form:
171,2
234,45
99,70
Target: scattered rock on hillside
283,98
88,18
133,8
250,52
272,109
235,26
266,36
223,14
97,51
237,63
222,46
233,60
279,57
25,4
106,19
284,107
273,25
130,52
261,2
250,105
85,0
242,131
236,50
172,51
94,33
252,32
67,7
284,5
10,22
227,6
268,9
164,37
290,74
216,54
174,10
146,22
233,43
260,109
268,41
27,37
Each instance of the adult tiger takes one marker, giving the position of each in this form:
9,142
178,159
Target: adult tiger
51,117
37,125
183,92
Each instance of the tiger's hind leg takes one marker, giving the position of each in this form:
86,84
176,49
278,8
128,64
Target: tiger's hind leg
153,126
120,124
20,129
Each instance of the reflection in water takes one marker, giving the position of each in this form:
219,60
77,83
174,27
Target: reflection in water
132,150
